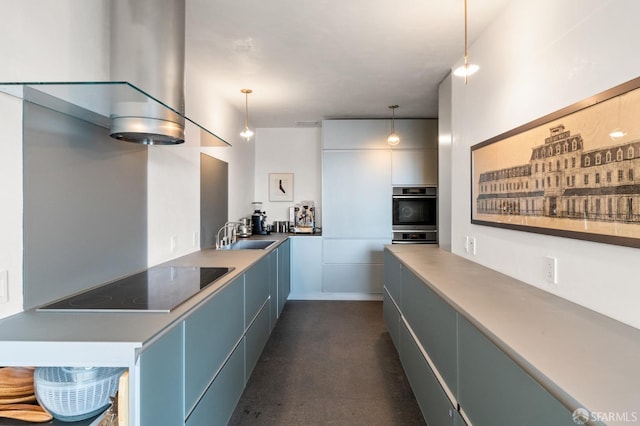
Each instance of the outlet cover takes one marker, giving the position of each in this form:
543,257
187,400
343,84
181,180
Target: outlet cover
551,269
473,246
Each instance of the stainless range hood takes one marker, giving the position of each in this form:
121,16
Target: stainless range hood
147,48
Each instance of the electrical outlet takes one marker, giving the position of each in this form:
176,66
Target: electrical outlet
196,239
551,269
466,244
473,247
4,286
173,243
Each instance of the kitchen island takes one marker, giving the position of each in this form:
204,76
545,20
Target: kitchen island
499,351
147,342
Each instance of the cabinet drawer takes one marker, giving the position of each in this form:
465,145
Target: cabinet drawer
494,390
256,338
256,285
210,335
434,323
346,251
217,405
391,319
352,279
161,383
435,406
392,277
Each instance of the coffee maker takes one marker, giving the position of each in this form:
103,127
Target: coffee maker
258,219
304,218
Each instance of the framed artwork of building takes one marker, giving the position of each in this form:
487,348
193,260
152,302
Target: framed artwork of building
574,173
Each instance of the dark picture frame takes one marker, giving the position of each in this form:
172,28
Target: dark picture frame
574,173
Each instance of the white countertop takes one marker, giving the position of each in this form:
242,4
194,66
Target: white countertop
583,358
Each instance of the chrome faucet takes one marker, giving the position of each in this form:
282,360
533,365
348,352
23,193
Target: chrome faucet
228,237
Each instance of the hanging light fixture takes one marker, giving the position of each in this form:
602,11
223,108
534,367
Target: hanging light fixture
246,133
393,138
467,69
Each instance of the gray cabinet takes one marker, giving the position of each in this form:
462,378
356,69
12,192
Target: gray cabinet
435,406
306,267
434,324
391,316
414,167
494,390
356,188
211,334
273,288
256,338
217,405
391,276
449,362
257,287
161,381
284,274
196,372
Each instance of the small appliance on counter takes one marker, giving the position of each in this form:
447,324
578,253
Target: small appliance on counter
304,218
259,219
244,229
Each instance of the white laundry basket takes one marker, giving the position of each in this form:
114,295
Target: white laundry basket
76,393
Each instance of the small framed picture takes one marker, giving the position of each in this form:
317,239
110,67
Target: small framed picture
280,186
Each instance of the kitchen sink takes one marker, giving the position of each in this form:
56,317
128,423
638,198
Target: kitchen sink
249,245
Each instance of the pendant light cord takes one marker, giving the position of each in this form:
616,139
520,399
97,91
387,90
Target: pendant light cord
246,109
466,45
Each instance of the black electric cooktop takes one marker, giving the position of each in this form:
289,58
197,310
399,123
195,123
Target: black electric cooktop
158,289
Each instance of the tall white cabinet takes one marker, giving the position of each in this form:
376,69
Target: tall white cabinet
359,170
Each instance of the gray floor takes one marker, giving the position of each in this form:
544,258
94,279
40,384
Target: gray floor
328,363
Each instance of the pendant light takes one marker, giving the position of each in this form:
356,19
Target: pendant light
246,133
393,138
467,69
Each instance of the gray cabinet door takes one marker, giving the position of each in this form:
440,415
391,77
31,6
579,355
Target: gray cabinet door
256,338
391,276
495,391
217,405
161,381
284,274
391,319
435,406
273,287
356,194
211,334
434,323
257,288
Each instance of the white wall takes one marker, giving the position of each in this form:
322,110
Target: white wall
174,171
536,58
68,40
288,150
43,40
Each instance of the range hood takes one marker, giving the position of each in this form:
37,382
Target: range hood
147,48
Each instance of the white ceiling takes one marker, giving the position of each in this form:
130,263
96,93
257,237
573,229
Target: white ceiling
312,60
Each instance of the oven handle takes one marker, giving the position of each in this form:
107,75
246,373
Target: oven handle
416,196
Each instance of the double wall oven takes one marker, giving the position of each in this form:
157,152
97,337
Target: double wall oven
414,214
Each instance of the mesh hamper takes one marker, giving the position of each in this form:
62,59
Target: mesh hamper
72,394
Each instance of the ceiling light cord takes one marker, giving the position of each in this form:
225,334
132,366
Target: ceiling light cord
466,45
467,69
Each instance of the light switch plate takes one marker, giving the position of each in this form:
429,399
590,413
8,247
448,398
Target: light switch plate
4,286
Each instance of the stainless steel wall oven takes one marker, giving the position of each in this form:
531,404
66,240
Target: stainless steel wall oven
414,214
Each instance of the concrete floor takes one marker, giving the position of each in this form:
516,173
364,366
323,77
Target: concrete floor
328,363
